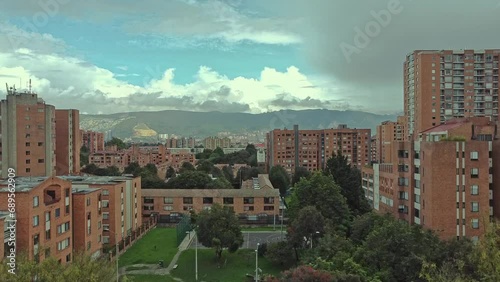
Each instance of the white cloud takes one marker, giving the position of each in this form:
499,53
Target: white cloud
69,82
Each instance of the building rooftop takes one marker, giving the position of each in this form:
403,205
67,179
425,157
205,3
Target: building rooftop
84,190
260,182
213,193
25,184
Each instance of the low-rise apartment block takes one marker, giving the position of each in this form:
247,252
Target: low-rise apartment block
44,217
93,141
87,216
257,201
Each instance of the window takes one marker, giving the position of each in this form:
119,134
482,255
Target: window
269,200
187,200
105,204
248,208
474,190
27,144
28,170
168,200
248,201
28,161
474,173
88,246
35,201
105,192
475,223
168,208
63,244
88,202
228,201
269,208
105,215
149,200
105,239
57,212
474,156
62,228
474,206
35,221
208,200
28,153
40,144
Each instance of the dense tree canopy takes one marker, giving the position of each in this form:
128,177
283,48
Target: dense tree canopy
118,142
170,172
189,180
280,179
349,180
299,173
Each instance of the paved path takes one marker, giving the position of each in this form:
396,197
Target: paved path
155,268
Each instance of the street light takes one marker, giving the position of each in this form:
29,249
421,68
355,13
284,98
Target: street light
196,254
257,263
317,232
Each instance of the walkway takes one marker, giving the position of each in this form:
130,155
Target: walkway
155,269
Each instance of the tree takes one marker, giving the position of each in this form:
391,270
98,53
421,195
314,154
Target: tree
321,192
349,180
151,169
217,173
219,152
82,268
189,180
186,166
219,228
487,253
228,173
90,168
220,183
113,171
279,178
84,156
133,168
170,172
118,142
309,225
306,273
299,173
280,253
205,166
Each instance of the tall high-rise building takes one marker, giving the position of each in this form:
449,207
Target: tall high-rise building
388,132
291,148
94,141
68,142
446,84
28,133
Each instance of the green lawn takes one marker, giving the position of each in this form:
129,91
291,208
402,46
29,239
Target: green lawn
238,264
143,251
150,278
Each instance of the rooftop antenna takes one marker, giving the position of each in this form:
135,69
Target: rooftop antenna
30,86
7,86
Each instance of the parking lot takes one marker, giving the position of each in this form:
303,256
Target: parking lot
252,238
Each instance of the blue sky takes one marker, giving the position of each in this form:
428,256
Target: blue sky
229,55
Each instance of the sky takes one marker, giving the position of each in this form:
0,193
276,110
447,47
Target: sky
108,56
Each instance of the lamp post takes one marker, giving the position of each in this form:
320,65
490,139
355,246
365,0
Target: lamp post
257,263
317,232
196,255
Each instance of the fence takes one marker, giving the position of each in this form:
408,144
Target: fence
129,240
182,228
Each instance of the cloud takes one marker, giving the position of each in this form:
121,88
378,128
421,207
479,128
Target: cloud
69,82
207,19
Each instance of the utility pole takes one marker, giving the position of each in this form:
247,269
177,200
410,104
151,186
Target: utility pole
117,251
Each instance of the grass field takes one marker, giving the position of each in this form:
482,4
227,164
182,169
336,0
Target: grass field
237,266
150,278
143,251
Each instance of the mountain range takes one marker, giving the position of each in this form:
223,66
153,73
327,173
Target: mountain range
202,124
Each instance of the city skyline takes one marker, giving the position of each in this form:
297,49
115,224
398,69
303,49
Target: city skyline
229,56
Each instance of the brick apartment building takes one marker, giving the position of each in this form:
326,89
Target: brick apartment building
256,199
388,132
312,148
120,196
44,217
68,142
87,218
213,142
94,141
446,84
443,181
28,135
180,142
